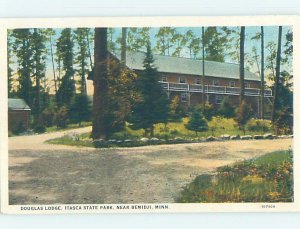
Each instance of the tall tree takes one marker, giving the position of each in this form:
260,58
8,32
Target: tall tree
163,43
23,51
203,70
65,45
276,83
262,73
100,98
178,41
193,44
39,65
9,63
154,104
215,44
137,38
242,64
123,46
82,56
50,33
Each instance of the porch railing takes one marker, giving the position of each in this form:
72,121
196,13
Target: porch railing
212,89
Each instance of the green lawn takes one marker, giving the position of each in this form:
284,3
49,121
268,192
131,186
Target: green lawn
268,178
217,127
69,127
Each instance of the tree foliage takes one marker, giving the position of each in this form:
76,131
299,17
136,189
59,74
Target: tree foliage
197,122
153,106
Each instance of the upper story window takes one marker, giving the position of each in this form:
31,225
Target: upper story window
182,79
231,84
247,85
164,79
197,81
216,82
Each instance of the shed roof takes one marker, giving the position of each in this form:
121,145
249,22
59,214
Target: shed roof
170,64
17,104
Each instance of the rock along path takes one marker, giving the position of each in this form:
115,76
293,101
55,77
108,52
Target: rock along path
40,173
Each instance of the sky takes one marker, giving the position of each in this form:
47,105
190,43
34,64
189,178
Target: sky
270,32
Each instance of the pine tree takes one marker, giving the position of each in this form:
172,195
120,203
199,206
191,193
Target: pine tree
80,109
81,58
227,110
101,86
154,105
23,51
65,46
39,66
197,122
9,63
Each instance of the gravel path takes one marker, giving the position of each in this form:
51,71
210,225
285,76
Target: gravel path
40,173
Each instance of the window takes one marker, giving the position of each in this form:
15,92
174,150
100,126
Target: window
181,79
216,82
231,84
164,79
197,81
218,99
183,97
247,85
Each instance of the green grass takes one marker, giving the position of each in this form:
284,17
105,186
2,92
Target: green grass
69,127
268,178
171,131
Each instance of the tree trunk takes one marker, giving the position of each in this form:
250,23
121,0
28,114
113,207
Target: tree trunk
278,59
123,46
242,64
100,99
203,71
262,73
83,82
53,67
37,78
89,49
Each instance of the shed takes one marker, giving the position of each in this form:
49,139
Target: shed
18,115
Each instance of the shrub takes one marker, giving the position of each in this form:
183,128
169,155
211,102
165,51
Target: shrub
61,117
227,109
197,122
258,125
208,112
39,128
48,116
243,114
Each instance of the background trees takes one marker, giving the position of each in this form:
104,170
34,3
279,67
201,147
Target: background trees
48,67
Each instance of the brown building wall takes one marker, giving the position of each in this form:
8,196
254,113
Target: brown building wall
18,119
191,79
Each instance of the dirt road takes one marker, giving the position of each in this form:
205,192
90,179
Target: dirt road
52,174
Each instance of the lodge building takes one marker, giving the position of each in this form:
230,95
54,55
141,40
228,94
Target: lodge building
183,77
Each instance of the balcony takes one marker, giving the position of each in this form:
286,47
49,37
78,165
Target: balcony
211,89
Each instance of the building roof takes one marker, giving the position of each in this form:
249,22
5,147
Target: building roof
170,64
17,104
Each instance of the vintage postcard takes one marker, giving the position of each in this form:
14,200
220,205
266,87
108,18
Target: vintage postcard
150,114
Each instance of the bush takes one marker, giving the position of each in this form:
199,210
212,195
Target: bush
48,116
197,122
243,114
208,112
227,109
40,128
258,125
61,117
